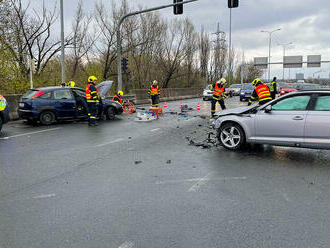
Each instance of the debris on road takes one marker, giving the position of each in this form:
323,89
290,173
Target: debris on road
147,116
137,162
168,161
205,144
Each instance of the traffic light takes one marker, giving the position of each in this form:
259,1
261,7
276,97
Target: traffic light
233,3
124,63
178,9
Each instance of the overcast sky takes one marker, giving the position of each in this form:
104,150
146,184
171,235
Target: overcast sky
306,23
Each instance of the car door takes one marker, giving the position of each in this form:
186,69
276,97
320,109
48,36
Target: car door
65,103
285,123
317,131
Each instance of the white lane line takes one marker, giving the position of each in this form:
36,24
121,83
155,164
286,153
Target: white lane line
200,179
24,134
44,196
127,244
154,130
199,183
111,142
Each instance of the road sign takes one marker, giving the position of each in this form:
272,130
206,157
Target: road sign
178,9
314,61
261,62
292,61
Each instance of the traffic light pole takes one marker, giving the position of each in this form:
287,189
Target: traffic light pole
122,19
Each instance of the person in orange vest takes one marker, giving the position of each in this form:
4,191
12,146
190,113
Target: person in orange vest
219,89
118,97
261,92
92,98
154,93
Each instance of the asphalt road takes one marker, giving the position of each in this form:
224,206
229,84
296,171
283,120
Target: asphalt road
127,184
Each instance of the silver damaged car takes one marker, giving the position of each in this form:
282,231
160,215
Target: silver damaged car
299,119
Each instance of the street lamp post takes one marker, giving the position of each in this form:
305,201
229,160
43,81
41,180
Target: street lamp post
270,44
284,46
62,44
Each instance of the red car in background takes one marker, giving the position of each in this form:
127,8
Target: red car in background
287,88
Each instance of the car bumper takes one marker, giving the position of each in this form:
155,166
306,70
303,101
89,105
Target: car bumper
27,114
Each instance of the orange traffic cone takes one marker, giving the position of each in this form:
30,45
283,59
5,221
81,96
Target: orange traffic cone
198,106
165,105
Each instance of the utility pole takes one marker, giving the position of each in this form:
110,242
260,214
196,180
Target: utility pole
229,50
122,19
62,44
270,44
219,53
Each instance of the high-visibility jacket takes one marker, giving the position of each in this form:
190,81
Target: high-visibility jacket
273,86
117,98
91,93
218,92
154,91
262,92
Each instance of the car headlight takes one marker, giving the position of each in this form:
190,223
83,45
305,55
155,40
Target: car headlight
242,93
282,92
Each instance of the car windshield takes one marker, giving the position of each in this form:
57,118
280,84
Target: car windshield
247,87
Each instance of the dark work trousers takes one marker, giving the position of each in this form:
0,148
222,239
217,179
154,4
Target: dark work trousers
273,94
92,112
263,102
155,100
214,102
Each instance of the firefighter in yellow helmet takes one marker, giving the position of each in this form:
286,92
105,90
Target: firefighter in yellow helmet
261,92
219,89
154,93
92,99
118,97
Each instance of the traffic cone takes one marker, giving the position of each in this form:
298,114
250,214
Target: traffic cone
198,106
165,105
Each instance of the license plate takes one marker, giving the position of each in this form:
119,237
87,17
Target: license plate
21,105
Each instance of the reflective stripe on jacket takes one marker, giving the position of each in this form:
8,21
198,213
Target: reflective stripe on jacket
153,90
91,93
263,92
218,91
272,86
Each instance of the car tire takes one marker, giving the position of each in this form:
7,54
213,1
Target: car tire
110,113
241,100
47,118
231,136
0,124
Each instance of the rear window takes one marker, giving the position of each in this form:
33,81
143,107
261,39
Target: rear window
29,94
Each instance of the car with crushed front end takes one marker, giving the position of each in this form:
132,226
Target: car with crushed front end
51,104
4,111
298,119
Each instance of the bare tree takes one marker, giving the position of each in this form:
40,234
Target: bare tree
204,53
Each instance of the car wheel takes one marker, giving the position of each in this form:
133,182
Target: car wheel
231,136
47,118
204,99
110,113
0,123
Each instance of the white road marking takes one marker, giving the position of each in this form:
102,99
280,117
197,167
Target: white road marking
24,134
44,196
111,142
127,244
200,179
199,183
154,130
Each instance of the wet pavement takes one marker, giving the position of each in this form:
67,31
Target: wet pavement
154,184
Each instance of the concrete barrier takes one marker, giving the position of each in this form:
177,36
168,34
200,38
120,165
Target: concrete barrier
169,94
13,101
138,96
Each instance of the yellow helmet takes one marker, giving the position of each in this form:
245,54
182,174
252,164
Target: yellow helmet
92,79
222,80
72,84
255,81
120,93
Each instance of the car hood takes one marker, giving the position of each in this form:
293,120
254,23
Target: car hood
104,88
237,111
246,91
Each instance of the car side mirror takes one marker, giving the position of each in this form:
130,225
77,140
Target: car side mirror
268,109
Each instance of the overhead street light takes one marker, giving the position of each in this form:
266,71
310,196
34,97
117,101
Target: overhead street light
270,44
